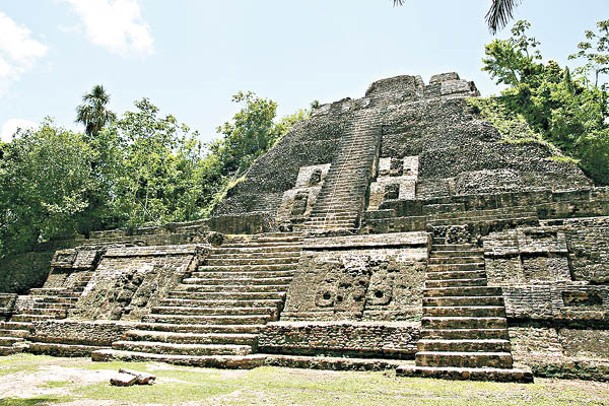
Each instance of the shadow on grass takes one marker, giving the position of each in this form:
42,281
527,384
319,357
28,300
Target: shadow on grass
37,401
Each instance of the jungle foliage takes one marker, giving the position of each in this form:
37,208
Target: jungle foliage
142,168
548,103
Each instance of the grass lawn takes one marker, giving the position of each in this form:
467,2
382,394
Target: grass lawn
39,380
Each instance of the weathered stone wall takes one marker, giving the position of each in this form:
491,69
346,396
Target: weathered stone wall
355,339
101,333
376,277
130,280
169,234
459,154
552,272
560,351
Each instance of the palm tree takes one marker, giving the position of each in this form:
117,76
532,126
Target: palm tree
93,112
497,17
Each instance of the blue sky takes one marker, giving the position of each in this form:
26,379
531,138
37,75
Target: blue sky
190,56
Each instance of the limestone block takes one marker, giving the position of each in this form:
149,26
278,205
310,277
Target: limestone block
443,77
535,341
122,379
450,87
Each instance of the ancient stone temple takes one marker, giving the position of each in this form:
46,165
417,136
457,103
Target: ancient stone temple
396,231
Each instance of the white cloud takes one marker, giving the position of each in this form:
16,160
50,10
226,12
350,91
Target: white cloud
116,25
10,127
18,50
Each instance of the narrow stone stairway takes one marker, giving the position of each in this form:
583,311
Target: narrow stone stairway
464,328
342,197
212,318
47,303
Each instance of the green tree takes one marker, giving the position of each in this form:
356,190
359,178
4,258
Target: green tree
595,51
154,174
560,108
45,182
93,112
252,132
498,16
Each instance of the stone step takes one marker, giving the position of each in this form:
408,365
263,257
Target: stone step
276,250
439,255
202,328
443,323
192,338
341,215
344,202
5,351
454,283
284,280
246,268
464,311
14,333
464,359
289,255
473,374
50,313
185,319
210,311
476,266
465,334
14,325
233,296
465,345
463,301
515,220
255,244
52,293
332,363
272,237
335,211
270,303
463,248
241,275
224,361
55,298
63,350
182,349
10,340
447,260
322,220
24,318
237,260
232,288
52,305
330,231
462,291
441,275
239,279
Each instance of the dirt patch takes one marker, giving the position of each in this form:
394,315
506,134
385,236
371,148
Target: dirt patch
49,380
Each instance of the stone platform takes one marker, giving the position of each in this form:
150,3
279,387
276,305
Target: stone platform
467,374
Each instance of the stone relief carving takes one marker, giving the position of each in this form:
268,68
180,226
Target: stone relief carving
397,178
297,202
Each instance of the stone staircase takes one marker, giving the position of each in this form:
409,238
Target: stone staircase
342,197
13,337
464,328
47,303
212,318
